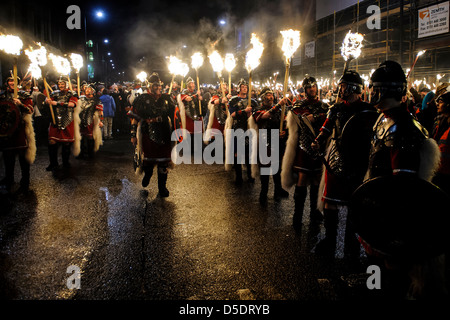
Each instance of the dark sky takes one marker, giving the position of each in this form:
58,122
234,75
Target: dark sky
157,29
153,28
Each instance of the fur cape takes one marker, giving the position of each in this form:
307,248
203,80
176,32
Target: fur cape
288,176
97,134
76,145
30,154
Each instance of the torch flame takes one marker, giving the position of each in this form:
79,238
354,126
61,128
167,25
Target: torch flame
142,76
230,62
37,56
11,44
291,42
254,54
197,60
77,61
351,46
216,62
184,69
62,65
35,71
174,65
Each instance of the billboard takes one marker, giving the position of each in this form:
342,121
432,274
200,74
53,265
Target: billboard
433,20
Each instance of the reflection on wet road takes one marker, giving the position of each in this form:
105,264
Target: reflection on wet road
208,240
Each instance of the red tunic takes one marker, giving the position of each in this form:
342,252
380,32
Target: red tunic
18,139
63,135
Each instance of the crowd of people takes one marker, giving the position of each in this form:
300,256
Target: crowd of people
333,142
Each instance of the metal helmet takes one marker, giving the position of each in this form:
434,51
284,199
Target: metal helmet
265,91
388,81
354,84
154,79
189,80
242,82
308,82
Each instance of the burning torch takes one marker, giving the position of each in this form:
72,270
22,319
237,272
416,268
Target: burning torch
38,57
62,66
12,45
415,60
350,49
142,76
252,61
174,69
230,63
77,63
291,42
197,62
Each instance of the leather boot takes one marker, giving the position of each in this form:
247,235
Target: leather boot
327,246
162,180
66,155
299,198
264,189
279,192
53,156
314,213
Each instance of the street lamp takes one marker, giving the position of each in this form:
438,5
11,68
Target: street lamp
106,41
222,22
99,14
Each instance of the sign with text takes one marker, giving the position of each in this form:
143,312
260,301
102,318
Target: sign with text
310,49
433,20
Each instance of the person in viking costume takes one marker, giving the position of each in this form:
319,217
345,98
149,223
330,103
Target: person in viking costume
16,135
91,110
397,212
188,102
267,118
240,117
300,165
348,128
64,131
217,112
153,116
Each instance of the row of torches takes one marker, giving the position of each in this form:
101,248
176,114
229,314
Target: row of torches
39,57
351,49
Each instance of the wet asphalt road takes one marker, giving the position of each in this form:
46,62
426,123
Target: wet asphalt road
209,240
